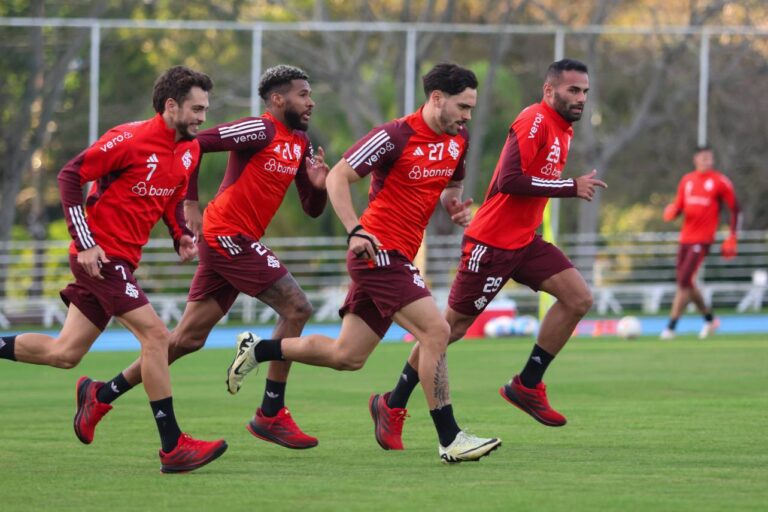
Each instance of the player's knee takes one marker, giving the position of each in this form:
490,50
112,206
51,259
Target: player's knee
67,359
349,360
189,343
299,312
437,335
581,303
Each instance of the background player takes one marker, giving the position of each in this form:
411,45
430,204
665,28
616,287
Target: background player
501,243
415,161
268,153
699,196
140,173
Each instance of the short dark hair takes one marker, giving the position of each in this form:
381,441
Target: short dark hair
278,76
705,147
448,78
176,83
556,69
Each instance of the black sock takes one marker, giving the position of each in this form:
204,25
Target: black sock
672,324
274,398
445,423
268,350
407,382
7,350
169,430
709,316
111,390
535,367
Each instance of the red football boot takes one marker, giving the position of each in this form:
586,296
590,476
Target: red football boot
533,401
280,429
89,410
191,454
388,423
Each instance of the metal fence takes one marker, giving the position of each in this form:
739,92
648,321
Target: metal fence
631,272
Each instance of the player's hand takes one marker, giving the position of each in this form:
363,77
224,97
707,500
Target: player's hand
364,245
91,261
194,218
459,211
317,169
586,185
728,249
670,212
187,248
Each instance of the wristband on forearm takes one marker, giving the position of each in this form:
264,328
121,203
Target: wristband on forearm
355,229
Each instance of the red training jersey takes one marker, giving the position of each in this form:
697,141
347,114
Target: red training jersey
526,176
140,174
411,166
699,196
266,156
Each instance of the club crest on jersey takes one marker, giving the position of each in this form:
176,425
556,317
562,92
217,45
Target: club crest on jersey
453,149
297,151
709,185
186,159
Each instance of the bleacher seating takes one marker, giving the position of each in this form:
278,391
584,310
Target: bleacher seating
632,272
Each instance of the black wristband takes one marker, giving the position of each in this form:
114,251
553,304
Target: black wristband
353,231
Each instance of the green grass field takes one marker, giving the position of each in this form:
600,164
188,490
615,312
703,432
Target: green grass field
652,426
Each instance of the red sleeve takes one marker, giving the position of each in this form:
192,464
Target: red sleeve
679,203
173,216
192,194
247,134
313,200
109,154
728,196
461,169
520,149
379,149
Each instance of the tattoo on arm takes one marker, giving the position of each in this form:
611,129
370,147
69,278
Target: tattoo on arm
442,392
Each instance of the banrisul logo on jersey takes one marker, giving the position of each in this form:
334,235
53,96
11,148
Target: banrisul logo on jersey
273,165
417,173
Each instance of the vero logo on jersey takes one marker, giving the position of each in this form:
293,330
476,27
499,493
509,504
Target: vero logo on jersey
114,141
151,165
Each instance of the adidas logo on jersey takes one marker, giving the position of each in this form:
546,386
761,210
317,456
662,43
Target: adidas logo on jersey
418,151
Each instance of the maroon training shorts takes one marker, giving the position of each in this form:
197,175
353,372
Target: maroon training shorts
381,288
101,299
484,270
689,259
250,268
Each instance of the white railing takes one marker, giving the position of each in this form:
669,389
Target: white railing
632,271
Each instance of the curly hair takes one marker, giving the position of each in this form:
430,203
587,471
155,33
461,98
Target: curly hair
176,83
448,78
279,76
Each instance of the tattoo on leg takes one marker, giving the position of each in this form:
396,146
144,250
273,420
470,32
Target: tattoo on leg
441,391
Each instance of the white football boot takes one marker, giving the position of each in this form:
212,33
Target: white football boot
667,334
244,361
709,328
467,447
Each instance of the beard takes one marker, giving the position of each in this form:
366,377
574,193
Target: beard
449,126
182,128
564,109
293,118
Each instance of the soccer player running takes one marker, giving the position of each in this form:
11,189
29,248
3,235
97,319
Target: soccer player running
267,154
140,173
415,161
699,196
501,244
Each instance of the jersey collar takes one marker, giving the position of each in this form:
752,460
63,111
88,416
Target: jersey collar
278,125
560,120
159,126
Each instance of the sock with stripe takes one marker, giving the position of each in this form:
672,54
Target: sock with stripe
534,369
